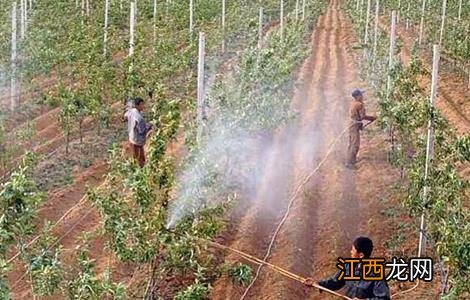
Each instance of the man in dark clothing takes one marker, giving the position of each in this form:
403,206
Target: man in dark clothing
357,289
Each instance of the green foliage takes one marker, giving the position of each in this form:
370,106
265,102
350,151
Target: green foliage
6,150
406,113
19,199
26,135
456,41
196,291
5,293
85,283
133,201
241,274
44,266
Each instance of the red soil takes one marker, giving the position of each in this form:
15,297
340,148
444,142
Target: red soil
337,204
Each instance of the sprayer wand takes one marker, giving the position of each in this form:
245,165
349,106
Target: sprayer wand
258,261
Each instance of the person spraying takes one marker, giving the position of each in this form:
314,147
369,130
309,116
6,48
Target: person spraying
357,114
137,129
362,248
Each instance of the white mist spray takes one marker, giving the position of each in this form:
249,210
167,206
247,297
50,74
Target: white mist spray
228,157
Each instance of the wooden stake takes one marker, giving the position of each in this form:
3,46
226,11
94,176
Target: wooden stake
430,146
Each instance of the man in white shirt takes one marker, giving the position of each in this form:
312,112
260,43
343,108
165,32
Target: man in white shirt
137,129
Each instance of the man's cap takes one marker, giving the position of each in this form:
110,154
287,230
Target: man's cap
357,93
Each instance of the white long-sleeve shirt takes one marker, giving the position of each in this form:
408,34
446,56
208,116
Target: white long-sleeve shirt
136,127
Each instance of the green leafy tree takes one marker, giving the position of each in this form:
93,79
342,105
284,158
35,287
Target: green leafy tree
44,265
5,293
19,199
84,283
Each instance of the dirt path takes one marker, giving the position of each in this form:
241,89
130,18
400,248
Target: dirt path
323,219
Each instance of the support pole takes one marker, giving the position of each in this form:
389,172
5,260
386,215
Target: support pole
443,19
132,28
429,147
391,61
191,6
167,8
303,10
83,8
25,16
391,50
376,29
407,26
87,8
468,73
297,10
361,14
13,93
282,20
22,19
460,10
260,28
200,87
223,26
366,33
106,20
154,21
421,24
468,85
398,12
